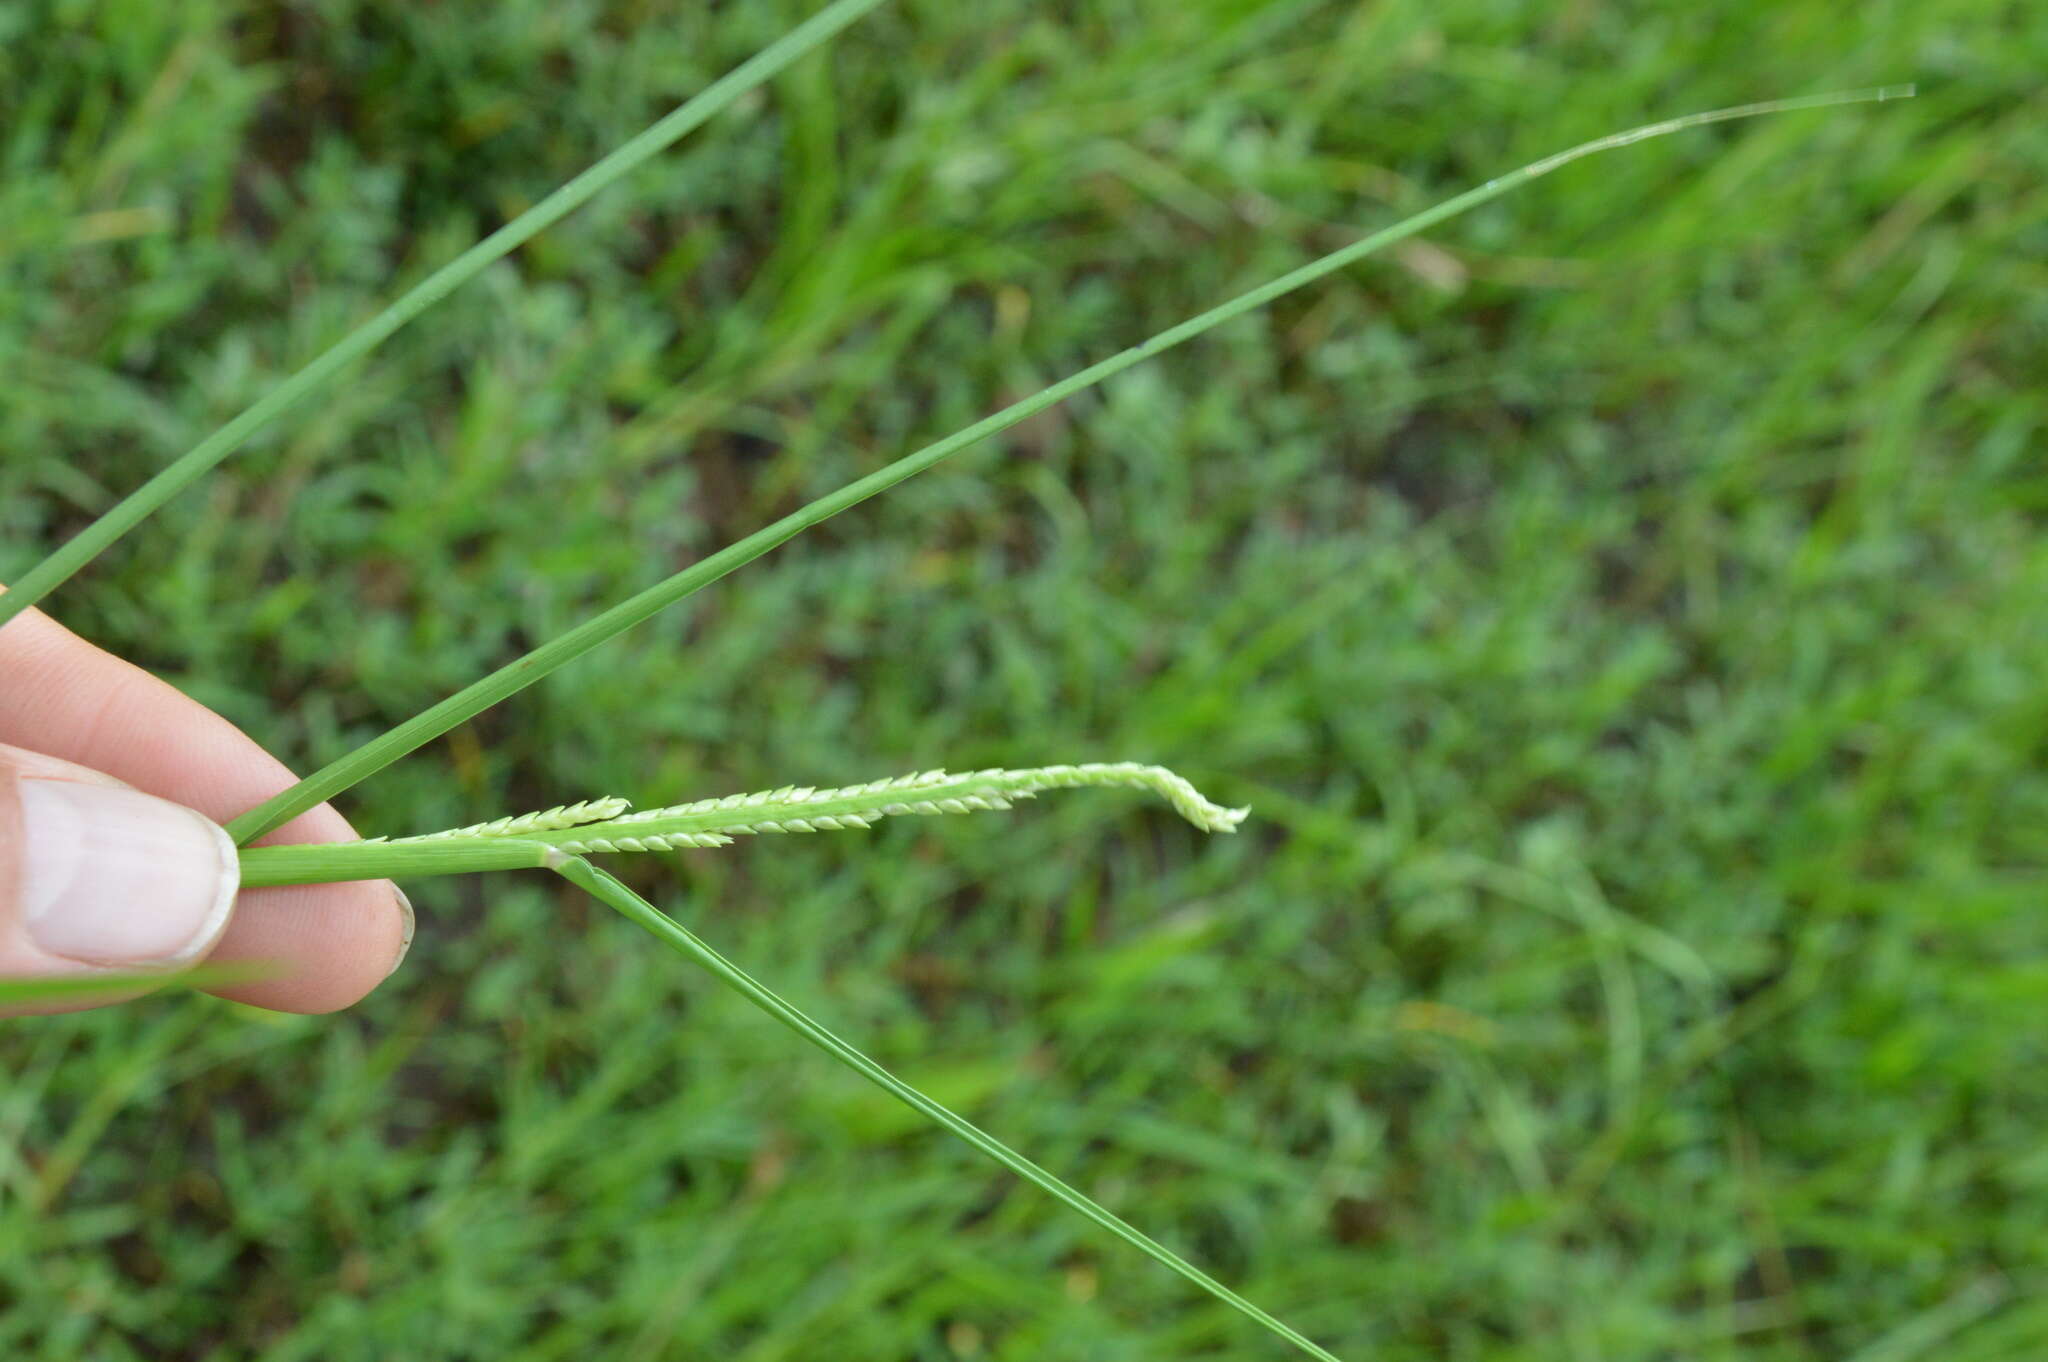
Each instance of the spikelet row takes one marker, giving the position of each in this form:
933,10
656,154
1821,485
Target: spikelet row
726,832
546,820
1176,790
667,841
793,794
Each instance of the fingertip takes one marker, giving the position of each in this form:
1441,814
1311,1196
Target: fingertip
410,924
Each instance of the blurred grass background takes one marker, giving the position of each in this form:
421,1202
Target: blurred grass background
1624,612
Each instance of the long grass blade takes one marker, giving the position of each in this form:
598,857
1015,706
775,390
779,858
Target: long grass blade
100,985
638,910
196,462
375,755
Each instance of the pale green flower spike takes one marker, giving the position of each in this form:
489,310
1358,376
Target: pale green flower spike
547,838
715,822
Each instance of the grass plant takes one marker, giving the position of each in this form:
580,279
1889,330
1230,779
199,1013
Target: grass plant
562,837
714,823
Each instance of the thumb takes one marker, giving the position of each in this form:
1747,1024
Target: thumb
96,874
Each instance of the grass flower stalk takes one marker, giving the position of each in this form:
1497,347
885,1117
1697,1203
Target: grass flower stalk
542,840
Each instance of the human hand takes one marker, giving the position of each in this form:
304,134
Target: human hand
109,860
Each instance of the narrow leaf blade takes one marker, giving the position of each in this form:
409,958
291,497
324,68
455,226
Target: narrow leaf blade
638,910
196,462
514,677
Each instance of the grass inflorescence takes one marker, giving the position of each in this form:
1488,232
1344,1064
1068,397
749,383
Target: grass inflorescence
601,825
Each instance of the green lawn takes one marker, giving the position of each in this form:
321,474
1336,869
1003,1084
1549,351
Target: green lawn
1626,613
